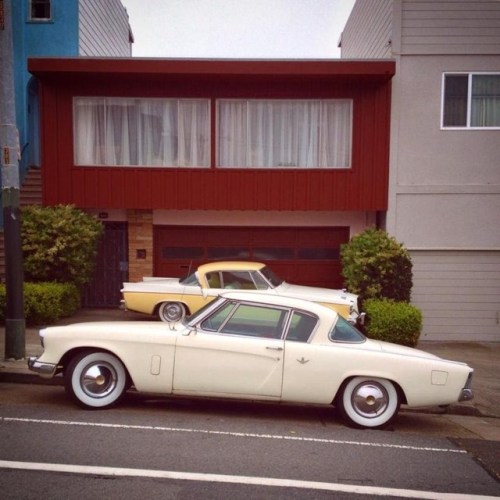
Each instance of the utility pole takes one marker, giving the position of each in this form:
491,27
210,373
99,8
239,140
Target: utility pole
15,345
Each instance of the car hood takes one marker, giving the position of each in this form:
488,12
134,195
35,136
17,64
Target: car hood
113,329
317,294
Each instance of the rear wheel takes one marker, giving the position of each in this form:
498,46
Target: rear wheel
95,379
369,402
171,311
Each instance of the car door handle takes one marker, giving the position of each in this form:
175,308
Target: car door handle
271,348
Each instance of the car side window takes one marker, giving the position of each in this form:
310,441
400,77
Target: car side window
213,280
343,331
238,280
253,320
301,327
215,321
260,282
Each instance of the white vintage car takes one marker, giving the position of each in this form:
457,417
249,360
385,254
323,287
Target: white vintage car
173,298
256,347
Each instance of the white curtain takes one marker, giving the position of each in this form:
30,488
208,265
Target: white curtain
485,108
289,133
142,132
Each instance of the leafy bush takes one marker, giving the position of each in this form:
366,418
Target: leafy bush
375,265
397,322
59,244
45,302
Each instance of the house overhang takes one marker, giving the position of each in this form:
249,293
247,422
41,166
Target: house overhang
152,69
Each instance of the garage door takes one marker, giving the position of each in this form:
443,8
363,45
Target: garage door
458,293
304,255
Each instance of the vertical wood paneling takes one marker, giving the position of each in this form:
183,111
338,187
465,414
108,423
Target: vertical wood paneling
362,187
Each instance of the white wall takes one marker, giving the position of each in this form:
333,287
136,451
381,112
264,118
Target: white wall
445,184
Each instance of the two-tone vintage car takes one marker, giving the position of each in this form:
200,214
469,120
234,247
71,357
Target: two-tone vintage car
173,298
255,347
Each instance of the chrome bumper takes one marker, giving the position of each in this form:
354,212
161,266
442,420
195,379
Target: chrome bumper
46,370
466,394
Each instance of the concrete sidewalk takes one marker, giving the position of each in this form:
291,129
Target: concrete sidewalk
482,356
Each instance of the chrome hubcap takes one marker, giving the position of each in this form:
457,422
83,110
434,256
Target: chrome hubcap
173,312
369,399
98,380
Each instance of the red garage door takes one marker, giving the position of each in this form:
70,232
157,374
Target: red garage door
303,255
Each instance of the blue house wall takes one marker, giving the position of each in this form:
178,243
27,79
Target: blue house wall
55,37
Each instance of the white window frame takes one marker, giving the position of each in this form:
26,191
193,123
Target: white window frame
470,75
346,166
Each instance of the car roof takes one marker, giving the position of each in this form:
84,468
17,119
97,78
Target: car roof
279,300
230,266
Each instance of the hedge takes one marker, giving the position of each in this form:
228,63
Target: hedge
397,322
45,303
376,266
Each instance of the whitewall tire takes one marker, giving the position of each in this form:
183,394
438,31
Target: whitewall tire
170,312
95,379
369,402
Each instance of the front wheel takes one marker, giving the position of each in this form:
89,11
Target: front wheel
95,380
369,402
170,312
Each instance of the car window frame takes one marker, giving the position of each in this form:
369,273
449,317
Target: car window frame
312,332
283,320
344,323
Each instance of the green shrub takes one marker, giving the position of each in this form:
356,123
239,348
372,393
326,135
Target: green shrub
59,244
375,265
45,302
397,322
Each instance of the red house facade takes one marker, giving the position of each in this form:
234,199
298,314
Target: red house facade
189,161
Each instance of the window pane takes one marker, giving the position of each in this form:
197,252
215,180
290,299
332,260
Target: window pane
40,9
238,280
214,322
255,321
228,253
343,331
284,134
455,101
301,327
485,110
260,282
319,253
143,132
273,253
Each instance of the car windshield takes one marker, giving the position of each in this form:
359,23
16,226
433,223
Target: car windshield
343,331
270,276
190,280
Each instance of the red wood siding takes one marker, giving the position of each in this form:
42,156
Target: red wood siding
363,187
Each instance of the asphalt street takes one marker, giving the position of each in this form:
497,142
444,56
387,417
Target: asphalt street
474,426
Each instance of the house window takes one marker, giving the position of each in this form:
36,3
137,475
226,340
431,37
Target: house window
284,133
141,132
471,100
40,10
